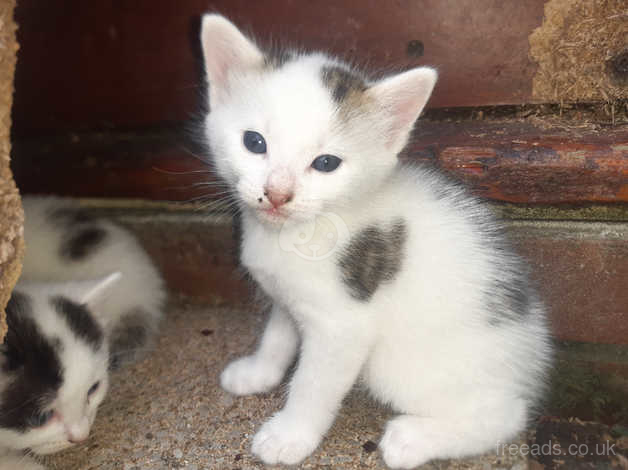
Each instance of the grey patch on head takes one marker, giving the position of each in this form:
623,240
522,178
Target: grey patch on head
80,320
130,337
342,82
373,257
276,58
82,242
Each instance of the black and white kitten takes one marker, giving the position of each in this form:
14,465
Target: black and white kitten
88,299
378,272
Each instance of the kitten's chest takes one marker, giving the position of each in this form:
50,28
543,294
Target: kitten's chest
289,272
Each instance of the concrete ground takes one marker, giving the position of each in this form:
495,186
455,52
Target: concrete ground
168,412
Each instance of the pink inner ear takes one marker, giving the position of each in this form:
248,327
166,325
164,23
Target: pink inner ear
225,49
403,113
406,112
404,97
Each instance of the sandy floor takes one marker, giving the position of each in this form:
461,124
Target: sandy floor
168,412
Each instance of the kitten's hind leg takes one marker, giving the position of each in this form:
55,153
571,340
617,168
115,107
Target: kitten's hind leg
411,440
264,369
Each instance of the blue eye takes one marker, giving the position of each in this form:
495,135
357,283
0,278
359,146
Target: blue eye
254,142
42,418
93,389
326,163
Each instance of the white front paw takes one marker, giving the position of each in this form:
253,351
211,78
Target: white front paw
405,444
286,441
249,375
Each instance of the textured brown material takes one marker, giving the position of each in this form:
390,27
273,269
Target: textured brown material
579,49
581,270
11,217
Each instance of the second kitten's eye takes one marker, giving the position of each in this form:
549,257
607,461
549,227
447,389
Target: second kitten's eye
326,163
93,389
42,418
254,142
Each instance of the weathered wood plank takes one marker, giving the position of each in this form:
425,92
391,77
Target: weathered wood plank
512,161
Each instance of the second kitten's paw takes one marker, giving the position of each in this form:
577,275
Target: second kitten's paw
405,443
283,441
249,375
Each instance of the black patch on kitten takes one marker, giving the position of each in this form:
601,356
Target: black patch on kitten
83,242
341,82
32,363
129,337
80,321
373,256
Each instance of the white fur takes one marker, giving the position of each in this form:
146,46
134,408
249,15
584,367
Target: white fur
140,283
424,343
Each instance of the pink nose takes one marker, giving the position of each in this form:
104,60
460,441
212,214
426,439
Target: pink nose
278,198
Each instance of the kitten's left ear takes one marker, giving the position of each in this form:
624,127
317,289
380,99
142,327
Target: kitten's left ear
401,98
225,50
92,292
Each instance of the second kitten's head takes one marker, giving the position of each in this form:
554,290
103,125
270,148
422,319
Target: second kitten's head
53,365
301,134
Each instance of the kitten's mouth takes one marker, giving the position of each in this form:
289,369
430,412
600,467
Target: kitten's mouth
273,214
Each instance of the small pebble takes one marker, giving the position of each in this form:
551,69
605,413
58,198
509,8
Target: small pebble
178,453
369,446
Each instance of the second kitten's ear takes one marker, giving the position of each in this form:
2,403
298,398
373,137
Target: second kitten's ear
400,99
92,292
225,50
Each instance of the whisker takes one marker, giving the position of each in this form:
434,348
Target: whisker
172,172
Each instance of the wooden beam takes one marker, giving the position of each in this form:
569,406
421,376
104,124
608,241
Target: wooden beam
506,160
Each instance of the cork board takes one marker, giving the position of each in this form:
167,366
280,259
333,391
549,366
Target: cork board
582,51
11,215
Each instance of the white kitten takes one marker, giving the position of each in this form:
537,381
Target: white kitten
380,272
88,299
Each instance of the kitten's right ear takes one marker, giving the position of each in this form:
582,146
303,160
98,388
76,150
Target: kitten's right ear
225,50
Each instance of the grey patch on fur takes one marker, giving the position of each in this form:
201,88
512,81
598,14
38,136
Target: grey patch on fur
373,257
130,337
511,298
276,58
82,242
80,321
342,82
